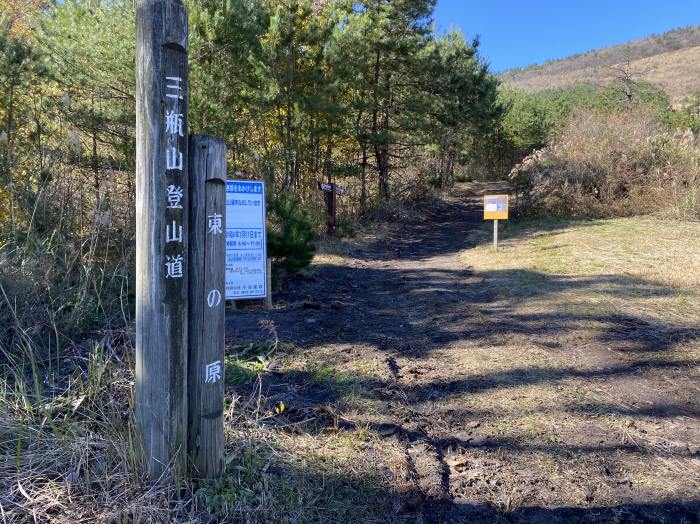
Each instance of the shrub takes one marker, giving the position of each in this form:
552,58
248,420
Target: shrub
290,235
621,95
620,163
529,122
686,117
435,182
532,121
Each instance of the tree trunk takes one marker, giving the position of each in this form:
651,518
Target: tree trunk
95,164
10,186
363,182
381,152
288,176
327,162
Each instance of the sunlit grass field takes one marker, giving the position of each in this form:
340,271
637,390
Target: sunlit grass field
644,265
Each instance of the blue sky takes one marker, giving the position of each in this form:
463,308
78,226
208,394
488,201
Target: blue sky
518,33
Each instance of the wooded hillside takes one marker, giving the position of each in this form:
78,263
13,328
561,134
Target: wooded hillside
670,61
402,370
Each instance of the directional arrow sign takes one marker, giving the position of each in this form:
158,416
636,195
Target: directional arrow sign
329,188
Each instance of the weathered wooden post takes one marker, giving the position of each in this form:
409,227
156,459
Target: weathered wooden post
207,250
330,211
161,233
332,191
268,286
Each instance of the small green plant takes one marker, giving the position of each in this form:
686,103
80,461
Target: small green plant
435,182
243,372
344,229
319,373
332,378
248,362
237,485
290,235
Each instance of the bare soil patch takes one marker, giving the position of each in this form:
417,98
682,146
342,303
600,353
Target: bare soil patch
555,381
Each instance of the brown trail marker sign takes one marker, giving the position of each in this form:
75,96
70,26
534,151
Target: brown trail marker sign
207,256
331,190
161,233
495,208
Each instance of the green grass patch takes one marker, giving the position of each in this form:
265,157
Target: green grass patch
247,361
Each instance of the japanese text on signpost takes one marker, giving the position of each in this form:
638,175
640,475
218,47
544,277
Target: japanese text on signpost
246,251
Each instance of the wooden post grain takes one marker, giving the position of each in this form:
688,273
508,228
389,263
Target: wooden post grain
268,284
207,305
330,211
161,234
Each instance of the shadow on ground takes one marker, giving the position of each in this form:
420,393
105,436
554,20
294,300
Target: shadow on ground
402,298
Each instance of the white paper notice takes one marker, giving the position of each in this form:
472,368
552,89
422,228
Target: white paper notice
246,245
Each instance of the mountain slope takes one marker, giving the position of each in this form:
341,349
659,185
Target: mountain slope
670,61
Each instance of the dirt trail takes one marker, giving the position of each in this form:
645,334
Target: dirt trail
502,417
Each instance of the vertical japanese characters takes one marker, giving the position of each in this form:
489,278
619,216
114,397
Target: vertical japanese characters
162,233
212,372
206,246
175,143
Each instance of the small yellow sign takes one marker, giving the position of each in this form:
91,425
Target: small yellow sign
495,207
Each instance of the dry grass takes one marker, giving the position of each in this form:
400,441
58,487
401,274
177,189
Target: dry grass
675,72
645,265
581,314
70,454
616,164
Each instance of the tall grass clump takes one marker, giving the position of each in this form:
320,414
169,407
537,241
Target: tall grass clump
66,272
613,164
69,451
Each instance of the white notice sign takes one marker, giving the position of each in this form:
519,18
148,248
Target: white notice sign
246,246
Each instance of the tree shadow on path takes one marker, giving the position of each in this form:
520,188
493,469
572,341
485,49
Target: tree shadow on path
406,297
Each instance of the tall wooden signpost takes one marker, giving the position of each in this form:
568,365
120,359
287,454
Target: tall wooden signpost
207,305
180,259
161,233
331,191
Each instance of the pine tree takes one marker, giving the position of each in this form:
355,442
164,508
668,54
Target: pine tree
22,66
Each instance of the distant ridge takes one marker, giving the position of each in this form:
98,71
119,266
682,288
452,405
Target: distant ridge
670,61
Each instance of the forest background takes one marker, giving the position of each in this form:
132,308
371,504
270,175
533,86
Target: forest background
362,93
